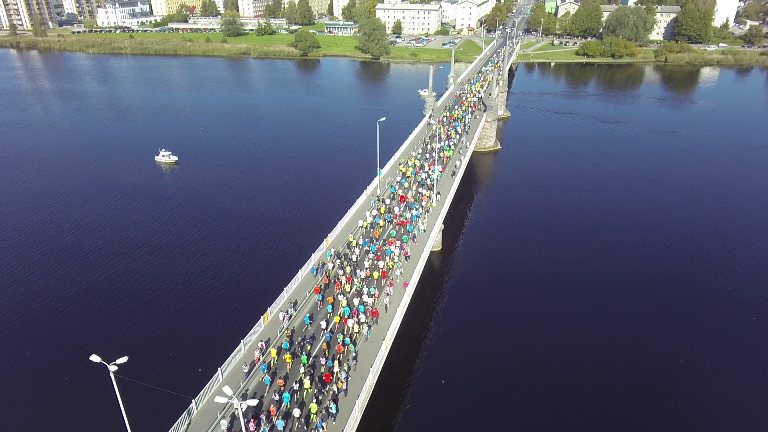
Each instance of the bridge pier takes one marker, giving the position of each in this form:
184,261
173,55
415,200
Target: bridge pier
438,244
501,99
429,100
487,140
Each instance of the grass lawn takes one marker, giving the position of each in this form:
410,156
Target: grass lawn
343,46
550,47
569,54
526,45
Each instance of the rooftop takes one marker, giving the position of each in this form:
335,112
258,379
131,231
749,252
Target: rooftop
408,6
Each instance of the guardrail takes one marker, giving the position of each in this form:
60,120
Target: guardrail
418,133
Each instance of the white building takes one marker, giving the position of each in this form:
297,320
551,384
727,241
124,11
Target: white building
82,8
124,13
23,12
564,6
415,18
466,13
338,5
725,10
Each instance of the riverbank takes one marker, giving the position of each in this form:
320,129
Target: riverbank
215,45
726,57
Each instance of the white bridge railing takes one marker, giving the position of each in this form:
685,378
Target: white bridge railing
234,359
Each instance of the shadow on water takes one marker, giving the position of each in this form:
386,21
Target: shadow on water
308,65
679,79
390,395
373,71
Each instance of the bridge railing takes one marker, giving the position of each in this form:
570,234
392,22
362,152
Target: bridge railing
418,133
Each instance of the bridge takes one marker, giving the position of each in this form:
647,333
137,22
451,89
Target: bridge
214,408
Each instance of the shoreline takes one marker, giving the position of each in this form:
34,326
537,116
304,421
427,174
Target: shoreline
180,47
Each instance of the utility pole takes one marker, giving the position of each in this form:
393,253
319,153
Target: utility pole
541,29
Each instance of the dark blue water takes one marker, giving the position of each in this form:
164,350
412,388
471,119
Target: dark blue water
606,270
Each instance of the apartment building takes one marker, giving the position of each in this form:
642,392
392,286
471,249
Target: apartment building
23,13
124,13
415,18
166,7
466,14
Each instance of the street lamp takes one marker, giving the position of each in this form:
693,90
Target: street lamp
112,367
228,391
378,164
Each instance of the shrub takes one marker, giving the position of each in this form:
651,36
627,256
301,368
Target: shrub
590,49
224,40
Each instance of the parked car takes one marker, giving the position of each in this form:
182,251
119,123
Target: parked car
711,48
722,45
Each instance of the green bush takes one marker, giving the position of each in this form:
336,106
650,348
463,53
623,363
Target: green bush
224,40
590,49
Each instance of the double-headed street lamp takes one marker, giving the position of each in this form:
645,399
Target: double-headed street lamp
112,367
378,164
239,404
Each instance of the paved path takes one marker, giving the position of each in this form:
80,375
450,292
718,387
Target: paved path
207,417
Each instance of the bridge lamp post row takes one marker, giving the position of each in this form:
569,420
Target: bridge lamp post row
378,163
240,405
112,367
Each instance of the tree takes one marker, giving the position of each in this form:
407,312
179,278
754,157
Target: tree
590,49
588,19
348,11
182,13
305,42
509,5
329,11
208,8
442,31
694,22
754,35
231,6
628,22
397,27
619,48
372,38
751,11
38,27
12,30
89,23
230,24
265,29
564,24
290,13
274,9
304,14
538,13
363,11
497,16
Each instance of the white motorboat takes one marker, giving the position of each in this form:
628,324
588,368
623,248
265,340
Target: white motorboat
424,92
166,157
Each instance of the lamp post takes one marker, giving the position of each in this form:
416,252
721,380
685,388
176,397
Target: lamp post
112,367
378,164
228,391
541,30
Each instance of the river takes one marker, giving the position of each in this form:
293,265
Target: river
606,270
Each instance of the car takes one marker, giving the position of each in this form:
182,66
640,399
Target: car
566,43
748,46
711,48
722,45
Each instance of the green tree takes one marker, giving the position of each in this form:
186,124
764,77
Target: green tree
442,31
348,11
290,12
694,22
497,16
329,11
38,27
588,19
12,30
208,8
230,24
182,13
363,10
754,35
590,49
397,27
90,23
509,5
274,9
304,14
628,22
751,11
619,48
372,38
265,29
538,14
726,25
564,24
231,6
305,42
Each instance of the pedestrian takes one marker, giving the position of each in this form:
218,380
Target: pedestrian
296,415
246,368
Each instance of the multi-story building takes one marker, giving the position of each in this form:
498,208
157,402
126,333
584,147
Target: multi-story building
466,14
666,18
84,9
24,12
338,5
415,18
166,7
564,6
319,7
124,13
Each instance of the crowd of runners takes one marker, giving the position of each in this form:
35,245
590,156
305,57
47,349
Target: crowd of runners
305,375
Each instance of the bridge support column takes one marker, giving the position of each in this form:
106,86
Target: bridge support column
438,244
429,100
487,140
